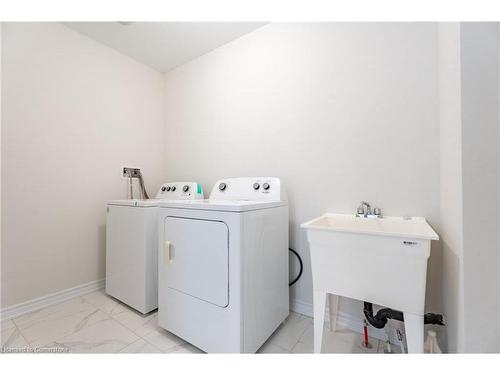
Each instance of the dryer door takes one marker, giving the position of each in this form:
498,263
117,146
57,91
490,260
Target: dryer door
196,259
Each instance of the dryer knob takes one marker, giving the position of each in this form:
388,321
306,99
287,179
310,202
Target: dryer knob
222,186
173,188
163,188
185,188
256,186
266,186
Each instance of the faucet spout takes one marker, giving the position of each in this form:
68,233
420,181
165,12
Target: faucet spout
368,210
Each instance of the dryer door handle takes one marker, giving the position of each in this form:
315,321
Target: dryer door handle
167,254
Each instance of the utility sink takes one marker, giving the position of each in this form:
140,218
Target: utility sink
378,260
415,227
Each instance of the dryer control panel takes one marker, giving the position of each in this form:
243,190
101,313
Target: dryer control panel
180,190
249,189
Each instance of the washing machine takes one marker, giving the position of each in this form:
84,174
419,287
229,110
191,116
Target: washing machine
131,245
223,265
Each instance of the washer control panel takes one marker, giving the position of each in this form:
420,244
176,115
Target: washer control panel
249,188
180,190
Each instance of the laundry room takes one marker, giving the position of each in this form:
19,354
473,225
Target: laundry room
274,187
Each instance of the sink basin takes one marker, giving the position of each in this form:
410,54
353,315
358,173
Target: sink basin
383,261
378,260
414,227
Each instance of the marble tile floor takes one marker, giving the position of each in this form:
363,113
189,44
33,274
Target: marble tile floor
97,323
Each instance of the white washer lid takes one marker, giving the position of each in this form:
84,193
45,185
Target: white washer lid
220,205
134,202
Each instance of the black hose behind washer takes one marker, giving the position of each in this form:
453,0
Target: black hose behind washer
383,315
301,267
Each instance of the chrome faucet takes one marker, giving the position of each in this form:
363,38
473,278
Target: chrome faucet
368,210
365,210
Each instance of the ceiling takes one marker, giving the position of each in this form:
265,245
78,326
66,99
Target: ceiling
164,45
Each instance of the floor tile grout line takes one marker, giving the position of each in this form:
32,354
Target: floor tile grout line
172,349
126,346
143,337
127,328
15,330
21,333
300,336
135,333
311,323
133,342
297,343
157,329
285,349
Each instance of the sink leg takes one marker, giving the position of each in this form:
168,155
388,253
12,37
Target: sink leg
319,299
333,306
414,327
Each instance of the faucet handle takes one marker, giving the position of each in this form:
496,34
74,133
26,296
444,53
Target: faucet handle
360,211
377,211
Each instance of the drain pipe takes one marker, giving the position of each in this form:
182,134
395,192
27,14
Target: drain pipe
383,315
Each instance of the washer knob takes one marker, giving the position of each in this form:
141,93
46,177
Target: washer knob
256,186
163,188
168,188
185,188
222,186
173,188
266,186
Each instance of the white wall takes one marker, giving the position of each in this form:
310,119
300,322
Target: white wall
341,112
470,174
451,203
74,111
480,158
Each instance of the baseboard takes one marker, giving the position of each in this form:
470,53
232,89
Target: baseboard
348,321
50,299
